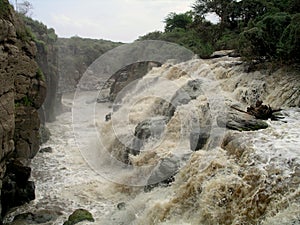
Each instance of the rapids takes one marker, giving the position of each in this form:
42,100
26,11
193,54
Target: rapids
237,178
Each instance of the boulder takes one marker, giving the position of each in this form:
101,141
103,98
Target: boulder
128,74
46,150
223,53
163,174
198,138
241,122
16,188
39,217
151,128
191,90
121,206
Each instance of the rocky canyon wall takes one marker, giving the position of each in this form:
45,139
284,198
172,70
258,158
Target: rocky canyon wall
22,92
47,59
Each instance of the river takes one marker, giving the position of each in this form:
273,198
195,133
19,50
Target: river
252,179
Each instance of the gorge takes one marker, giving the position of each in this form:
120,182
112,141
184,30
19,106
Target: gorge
174,151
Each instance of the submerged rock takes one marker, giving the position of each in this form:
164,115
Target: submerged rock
121,206
191,90
79,215
149,128
46,150
42,216
198,138
163,174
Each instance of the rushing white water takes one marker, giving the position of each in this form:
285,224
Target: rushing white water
237,178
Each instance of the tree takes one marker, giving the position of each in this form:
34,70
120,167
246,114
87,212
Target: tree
24,8
271,35
181,20
225,9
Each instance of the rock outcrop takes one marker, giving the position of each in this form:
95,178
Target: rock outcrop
47,59
128,74
75,55
22,93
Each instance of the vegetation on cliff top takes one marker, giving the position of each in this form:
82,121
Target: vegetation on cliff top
5,7
76,54
259,29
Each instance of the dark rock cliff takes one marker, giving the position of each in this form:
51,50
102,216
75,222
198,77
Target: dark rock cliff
22,92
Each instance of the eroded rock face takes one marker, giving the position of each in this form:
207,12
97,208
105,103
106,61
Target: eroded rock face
128,74
22,92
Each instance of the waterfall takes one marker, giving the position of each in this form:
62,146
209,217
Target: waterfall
163,159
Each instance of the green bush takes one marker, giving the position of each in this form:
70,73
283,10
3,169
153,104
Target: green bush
4,8
79,215
229,40
289,44
40,75
275,37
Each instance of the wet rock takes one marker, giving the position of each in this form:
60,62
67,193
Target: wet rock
79,215
223,53
46,150
241,122
102,100
39,217
16,189
198,138
45,134
121,205
151,128
108,116
191,90
128,74
165,171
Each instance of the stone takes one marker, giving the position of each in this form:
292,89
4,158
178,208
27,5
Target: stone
44,134
151,128
163,174
16,192
121,206
198,138
128,74
241,122
19,167
46,150
108,116
191,90
39,217
223,53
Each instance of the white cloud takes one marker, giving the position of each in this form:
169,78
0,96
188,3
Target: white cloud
119,20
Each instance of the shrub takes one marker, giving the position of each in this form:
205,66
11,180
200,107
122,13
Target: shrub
4,8
289,44
270,37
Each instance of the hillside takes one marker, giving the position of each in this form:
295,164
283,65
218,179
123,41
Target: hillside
75,55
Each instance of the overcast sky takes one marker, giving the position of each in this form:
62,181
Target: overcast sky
117,20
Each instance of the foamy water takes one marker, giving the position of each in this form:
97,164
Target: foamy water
252,179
